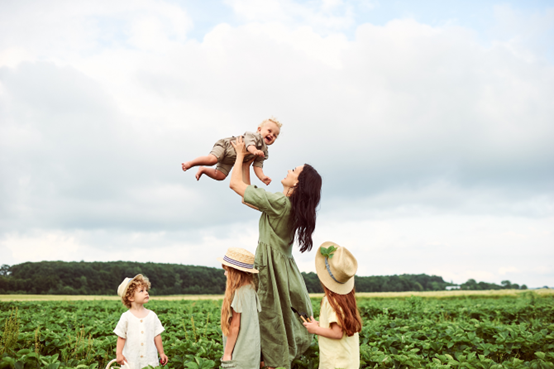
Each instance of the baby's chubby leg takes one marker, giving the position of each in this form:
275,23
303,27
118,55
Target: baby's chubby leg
201,160
210,172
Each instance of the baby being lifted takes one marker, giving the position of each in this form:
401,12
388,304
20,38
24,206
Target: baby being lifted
223,153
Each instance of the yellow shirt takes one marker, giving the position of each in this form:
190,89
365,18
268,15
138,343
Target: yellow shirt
343,353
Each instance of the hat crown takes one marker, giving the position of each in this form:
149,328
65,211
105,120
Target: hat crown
343,265
241,255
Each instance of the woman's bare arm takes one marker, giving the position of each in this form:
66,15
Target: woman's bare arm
237,182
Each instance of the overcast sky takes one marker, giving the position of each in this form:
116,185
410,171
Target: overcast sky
431,123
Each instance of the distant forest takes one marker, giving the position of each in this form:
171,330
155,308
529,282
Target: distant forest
102,278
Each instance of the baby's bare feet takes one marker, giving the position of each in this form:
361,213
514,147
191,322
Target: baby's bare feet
199,173
186,166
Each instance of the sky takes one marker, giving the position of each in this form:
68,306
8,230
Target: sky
431,123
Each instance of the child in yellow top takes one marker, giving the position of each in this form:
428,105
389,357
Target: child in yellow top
340,321
223,153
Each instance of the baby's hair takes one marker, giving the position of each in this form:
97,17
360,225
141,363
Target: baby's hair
137,282
345,307
235,279
273,120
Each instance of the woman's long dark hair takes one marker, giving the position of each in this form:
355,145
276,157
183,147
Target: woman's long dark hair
304,200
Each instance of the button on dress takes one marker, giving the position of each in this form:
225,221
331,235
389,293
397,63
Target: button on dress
139,333
280,283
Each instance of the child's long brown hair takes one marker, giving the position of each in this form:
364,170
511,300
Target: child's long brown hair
346,309
235,279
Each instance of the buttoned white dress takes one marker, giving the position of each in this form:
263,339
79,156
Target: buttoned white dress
139,333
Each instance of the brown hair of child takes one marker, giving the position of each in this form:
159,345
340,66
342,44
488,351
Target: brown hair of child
345,307
137,282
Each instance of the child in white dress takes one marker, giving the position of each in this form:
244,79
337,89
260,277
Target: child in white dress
139,329
340,321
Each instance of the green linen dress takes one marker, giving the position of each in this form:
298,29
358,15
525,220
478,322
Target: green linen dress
280,284
246,354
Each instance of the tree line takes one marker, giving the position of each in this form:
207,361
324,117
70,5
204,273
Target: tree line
102,278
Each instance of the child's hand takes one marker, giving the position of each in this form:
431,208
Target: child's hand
259,153
266,180
163,359
121,360
312,325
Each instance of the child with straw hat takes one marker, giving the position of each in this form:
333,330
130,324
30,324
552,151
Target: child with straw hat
239,312
340,321
139,330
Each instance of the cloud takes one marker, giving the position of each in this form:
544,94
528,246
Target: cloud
427,141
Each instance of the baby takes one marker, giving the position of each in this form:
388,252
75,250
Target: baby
223,153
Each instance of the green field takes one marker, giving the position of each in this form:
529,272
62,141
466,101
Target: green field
446,330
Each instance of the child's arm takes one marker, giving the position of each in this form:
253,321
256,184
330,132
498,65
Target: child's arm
260,174
121,360
334,332
234,329
253,150
160,348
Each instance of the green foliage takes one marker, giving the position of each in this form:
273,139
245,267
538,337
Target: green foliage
328,252
102,278
10,334
507,332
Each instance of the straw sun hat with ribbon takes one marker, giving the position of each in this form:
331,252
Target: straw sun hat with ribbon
336,267
240,259
124,286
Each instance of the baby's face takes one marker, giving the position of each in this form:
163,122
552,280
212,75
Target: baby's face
269,132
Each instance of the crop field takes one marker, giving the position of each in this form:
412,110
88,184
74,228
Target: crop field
452,331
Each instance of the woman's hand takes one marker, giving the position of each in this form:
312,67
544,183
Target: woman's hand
238,144
240,176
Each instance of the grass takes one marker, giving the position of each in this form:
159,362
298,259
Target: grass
380,295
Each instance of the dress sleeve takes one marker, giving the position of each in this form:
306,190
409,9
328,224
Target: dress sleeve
331,315
121,328
238,301
273,204
158,327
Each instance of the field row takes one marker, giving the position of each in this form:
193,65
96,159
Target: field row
415,332
433,294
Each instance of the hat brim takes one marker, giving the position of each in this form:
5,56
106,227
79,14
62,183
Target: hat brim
247,270
127,286
325,277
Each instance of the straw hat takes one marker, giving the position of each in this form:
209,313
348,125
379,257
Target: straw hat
336,272
240,259
124,286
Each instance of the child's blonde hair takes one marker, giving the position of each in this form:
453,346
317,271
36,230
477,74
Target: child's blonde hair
272,120
137,282
235,279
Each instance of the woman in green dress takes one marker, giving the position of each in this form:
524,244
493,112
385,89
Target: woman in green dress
285,216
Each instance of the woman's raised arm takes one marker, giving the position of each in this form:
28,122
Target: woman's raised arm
240,176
